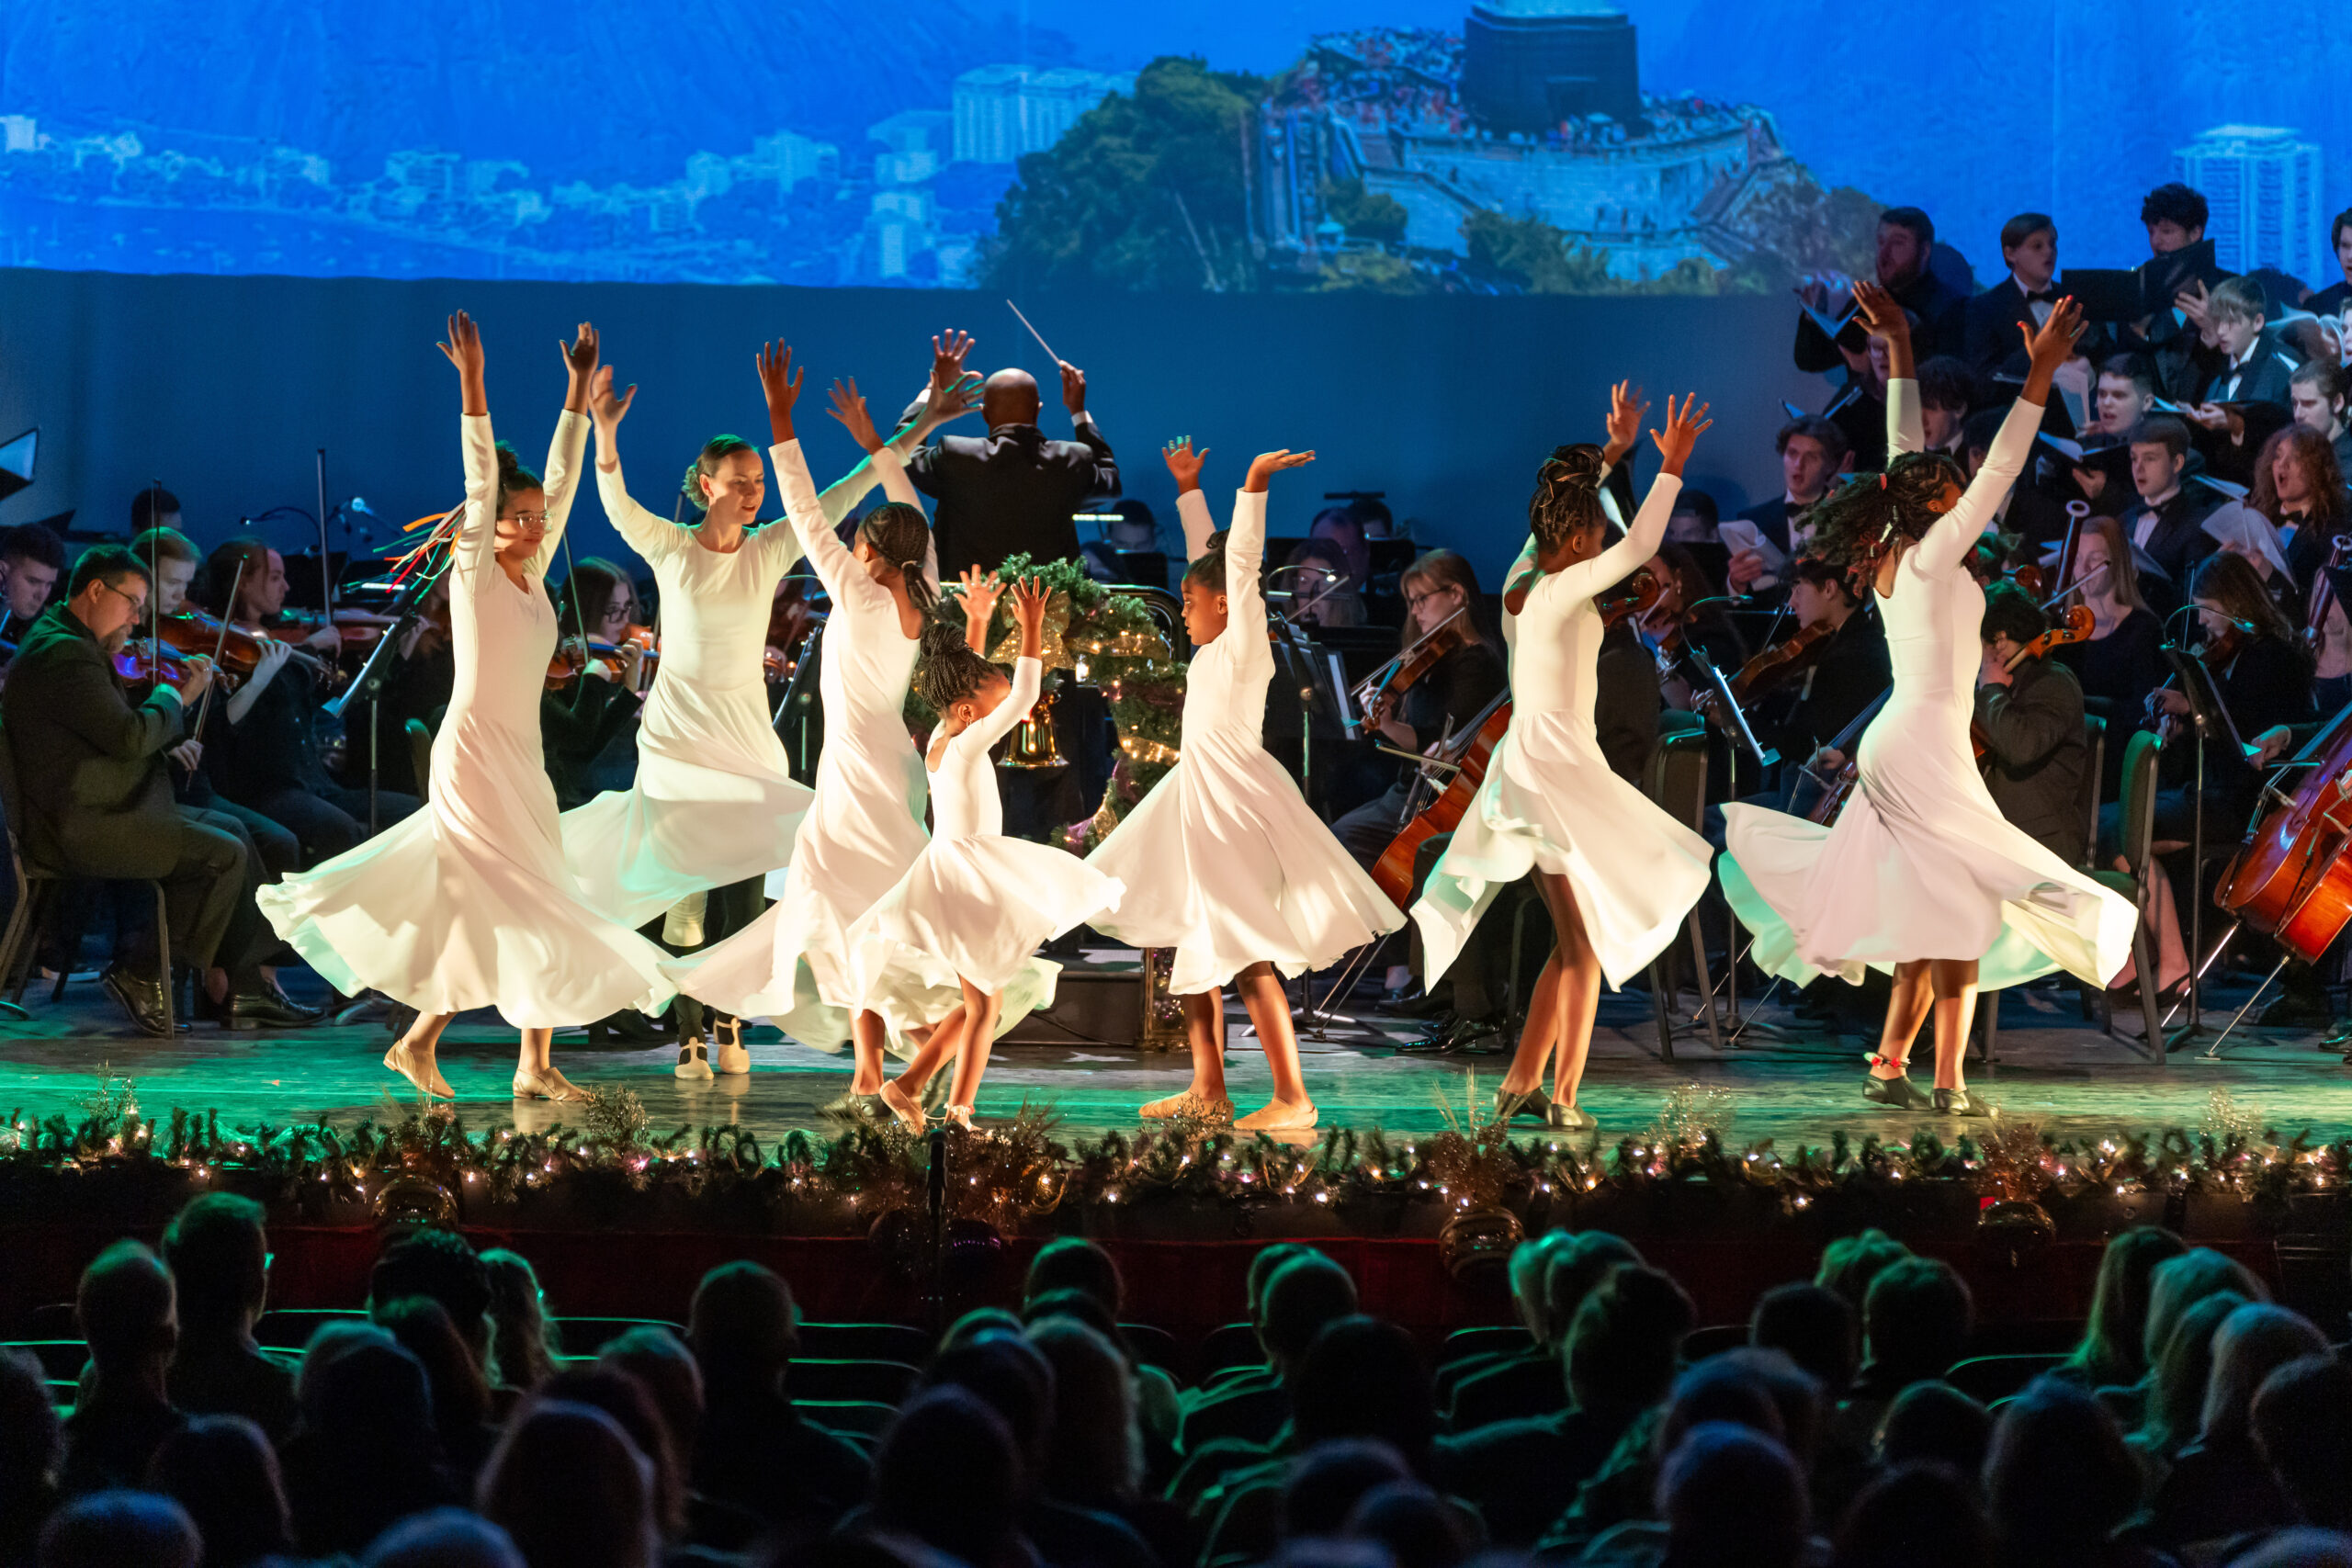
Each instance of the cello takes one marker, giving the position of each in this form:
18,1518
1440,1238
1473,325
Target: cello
2289,880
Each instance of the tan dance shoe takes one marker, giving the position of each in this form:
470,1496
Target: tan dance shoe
424,1072
548,1085
1278,1117
1190,1107
904,1106
733,1061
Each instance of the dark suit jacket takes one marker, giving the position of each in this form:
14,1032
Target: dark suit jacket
2037,754
1989,337
1009,490
1775,520
90,772
2269,369
1936,309
1850,673
2176,543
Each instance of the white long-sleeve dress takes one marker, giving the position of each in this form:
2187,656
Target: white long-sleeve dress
714,801
864,827
1223,861
1550,801
1920,863
975,904
469,903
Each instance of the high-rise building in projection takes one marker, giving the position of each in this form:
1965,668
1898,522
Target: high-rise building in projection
1004,112
2263,184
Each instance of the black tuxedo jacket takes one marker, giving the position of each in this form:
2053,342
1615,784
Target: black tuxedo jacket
1989,330
2176,543
2264,379
1009,490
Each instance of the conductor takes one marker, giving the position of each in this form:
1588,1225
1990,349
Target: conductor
1013,490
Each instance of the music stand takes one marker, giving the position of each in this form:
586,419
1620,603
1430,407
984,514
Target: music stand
2209,716
16,462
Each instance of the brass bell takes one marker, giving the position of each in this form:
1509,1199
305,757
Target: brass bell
1032,739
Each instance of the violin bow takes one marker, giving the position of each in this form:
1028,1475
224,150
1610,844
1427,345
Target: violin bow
204,704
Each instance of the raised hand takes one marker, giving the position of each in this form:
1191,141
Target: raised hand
1184,463
580,354
1266,465
961,396
1626,408
464,351
1683,428
982,591
1073,388
1030,595
849,408
781,385
1879,312
2052,344
607,407
947,352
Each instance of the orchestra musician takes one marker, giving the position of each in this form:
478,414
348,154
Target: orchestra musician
2029,718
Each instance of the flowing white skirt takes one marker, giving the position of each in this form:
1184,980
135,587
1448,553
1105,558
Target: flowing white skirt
973,909
1919,864
468,903
714,804
1225,862
863,832
1550,802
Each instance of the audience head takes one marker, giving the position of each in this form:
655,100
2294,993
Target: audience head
121,1529
1934,1423
221,1469
1906,237
1850,1263
2252,1342
632,1406
1016,1381
2159,445
569,1487
34,559
1717,1389
2175,217
32,1442
2300,1549
1418,1529
328,1345
373,1398
442,1266
1814,1328
2179,1283
1075,1306
663,1365
1732,1498
1915,1322
1327,1481
1813,450
1364,1378
1303,1295
744,1328
2125,394
975,1326
1915,1516
443,1537
1626,1339
2058,1480
1074,1263
460,1392
2316,395
108,594
2301,1421
2113,1347
2180,1374
948,1474
218,1256
1095,1456
1531,1261
1262,1267
2030,246
1571,1274
519,1352
125,1309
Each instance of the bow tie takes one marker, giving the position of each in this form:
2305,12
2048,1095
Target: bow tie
2041,297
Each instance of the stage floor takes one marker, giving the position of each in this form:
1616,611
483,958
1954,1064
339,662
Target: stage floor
1795,1084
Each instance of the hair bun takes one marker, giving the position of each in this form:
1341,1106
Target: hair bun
509,461
1577,467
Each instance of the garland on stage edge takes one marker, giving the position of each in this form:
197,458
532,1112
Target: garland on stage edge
1100,635
426,1164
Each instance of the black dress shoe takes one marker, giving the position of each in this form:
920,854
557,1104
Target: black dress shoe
266,1006
1897,1093
1460,1034
141,999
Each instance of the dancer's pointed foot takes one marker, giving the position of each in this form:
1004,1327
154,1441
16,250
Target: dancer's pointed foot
419,1068
1190,1106
732,1059
1278,1116
904,1106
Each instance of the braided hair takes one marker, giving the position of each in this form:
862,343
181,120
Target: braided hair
1568,494
714,452
513,477
901,535
1853,525
1207,573
946,670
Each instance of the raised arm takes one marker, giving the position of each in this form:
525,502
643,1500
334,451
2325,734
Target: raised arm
1192,506
649,534
476,537
562,473
809,529
1029,596
1613,565
1949,539
1892,329
890,463
1245,544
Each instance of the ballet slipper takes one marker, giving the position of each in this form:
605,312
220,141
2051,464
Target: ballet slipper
693,1060
547,1084
904,1106
402,1059
1276,1117
733,1060
1190,1106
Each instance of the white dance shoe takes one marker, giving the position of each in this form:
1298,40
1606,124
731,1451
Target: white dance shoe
693,1060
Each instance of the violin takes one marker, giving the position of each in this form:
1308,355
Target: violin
1790,657
1402,671
359,629
2075,624
2290,878
140,664
1469,755
2216,652
573,657
234,650
1637,596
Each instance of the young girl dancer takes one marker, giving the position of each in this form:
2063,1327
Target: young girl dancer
1921,875
468,903
960,927
1616,874
864,828
714,805
1223,860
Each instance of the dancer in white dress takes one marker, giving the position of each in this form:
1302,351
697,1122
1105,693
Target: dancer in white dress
866,826
1921,875
964,923
714,805
1223,861
1616,874
468,903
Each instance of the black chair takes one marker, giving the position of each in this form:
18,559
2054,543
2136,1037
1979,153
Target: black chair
1676,781
290,1328
60,1359
1505,1339
866,1342
1231,1345
1987,1378
850,1417
37,890
1153,1346
829,1381
586,1335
